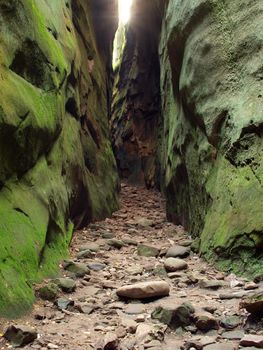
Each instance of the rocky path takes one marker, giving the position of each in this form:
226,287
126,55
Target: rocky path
134,282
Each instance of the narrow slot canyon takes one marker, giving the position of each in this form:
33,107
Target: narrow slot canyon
131,174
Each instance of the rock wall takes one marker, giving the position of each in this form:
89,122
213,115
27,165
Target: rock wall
212,86
57,167
136,96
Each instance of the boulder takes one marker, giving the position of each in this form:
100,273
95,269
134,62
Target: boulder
144,290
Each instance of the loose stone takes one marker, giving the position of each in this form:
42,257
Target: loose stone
145,290
210,284
67,285
178,251
96,266
85,254
252,340
174,316
175,264
49,291
115,243
20,335
206,323
79,269
147,251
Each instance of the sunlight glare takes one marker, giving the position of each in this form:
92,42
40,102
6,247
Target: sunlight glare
124,11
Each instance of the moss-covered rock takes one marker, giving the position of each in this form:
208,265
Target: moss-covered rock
211,153
57,167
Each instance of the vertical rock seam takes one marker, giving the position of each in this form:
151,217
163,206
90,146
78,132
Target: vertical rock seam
136,97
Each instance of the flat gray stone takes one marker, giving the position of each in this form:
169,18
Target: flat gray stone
63,303
206,322
210,284
222,346
93,247
135,309
230,322
232,295
233,335
96,266
115,243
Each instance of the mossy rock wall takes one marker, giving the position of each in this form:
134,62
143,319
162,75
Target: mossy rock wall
212,103
57,168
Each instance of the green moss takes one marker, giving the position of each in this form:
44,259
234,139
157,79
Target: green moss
45,173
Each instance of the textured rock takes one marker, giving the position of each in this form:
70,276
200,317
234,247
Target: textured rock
222,346
210,284
57,167
230,322
63,303
115,243
78,269
96,266
144,290
233,335
20,336
252,340
85,254
136,98
93,247
68,285
212,126
206,322
175,264
178,251
253,304
148,251
49,291
175,316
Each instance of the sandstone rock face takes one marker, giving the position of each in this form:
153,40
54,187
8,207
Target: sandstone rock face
211,92
136,97
57,167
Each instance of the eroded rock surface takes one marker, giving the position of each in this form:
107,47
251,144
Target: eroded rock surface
136,96
57,167
211,87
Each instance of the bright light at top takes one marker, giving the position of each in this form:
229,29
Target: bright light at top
124,11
